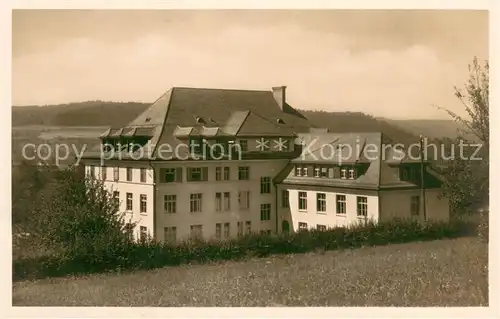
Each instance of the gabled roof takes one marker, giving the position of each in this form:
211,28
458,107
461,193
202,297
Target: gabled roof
235,112
373,149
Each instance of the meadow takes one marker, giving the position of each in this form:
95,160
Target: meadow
435,273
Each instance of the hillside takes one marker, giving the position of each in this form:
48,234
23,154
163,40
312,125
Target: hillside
89,113
100,113
432,128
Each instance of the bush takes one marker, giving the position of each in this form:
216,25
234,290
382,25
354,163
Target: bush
108,255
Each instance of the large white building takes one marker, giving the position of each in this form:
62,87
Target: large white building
215,163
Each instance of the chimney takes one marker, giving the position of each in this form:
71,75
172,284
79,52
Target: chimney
279,93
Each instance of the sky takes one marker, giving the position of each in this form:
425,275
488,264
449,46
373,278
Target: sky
389,63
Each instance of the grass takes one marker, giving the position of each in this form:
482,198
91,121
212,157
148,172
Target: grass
436,273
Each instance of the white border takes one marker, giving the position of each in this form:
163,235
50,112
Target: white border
87,312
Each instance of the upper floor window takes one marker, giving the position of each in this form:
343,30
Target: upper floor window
352,173
129,174
285,203
195,202
227,173
143,175
303,201
196,174
116,173
243,173
265,212
243,145
170,175
298,170
343,173
144,203
265,185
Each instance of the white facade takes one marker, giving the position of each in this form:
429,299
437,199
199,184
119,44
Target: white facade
380,206
259,215
135,187
329,214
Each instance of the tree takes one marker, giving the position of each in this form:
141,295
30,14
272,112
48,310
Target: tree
79,216
467,178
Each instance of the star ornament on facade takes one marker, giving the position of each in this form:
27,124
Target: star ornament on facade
262,144
280,144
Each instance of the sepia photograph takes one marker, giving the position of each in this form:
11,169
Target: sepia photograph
250,158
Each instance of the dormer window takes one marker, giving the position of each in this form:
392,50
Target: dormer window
200,120
211,120
148,119
280,121
343,173
352,173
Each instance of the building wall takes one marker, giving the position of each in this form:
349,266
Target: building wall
397,203
329,218
135,187
208,217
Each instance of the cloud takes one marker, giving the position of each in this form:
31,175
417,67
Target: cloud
321,69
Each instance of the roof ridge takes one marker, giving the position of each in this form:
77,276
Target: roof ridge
220,89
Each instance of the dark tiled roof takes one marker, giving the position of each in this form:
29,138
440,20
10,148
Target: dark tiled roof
350,148
235,112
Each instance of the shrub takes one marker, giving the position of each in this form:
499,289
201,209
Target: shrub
106,255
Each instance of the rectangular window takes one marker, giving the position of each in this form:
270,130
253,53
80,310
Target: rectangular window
265,185
170,234
195,174
285,202
129,202
116,173
415,205
316,171
352,173
321,202
244,200
218,230
218,173
320,227
196,232
265,212
171,175
240,229
248,227
341,204
243,173
243,145
343,173
305,171
129,174
227,173
195,201
302,226
227,230
143,233
302,200
116,198
218,202
170,204
227,201
144,203
362,206
143,175
298,170
104,173
324,172
92,171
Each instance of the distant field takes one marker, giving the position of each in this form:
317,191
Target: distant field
437,273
